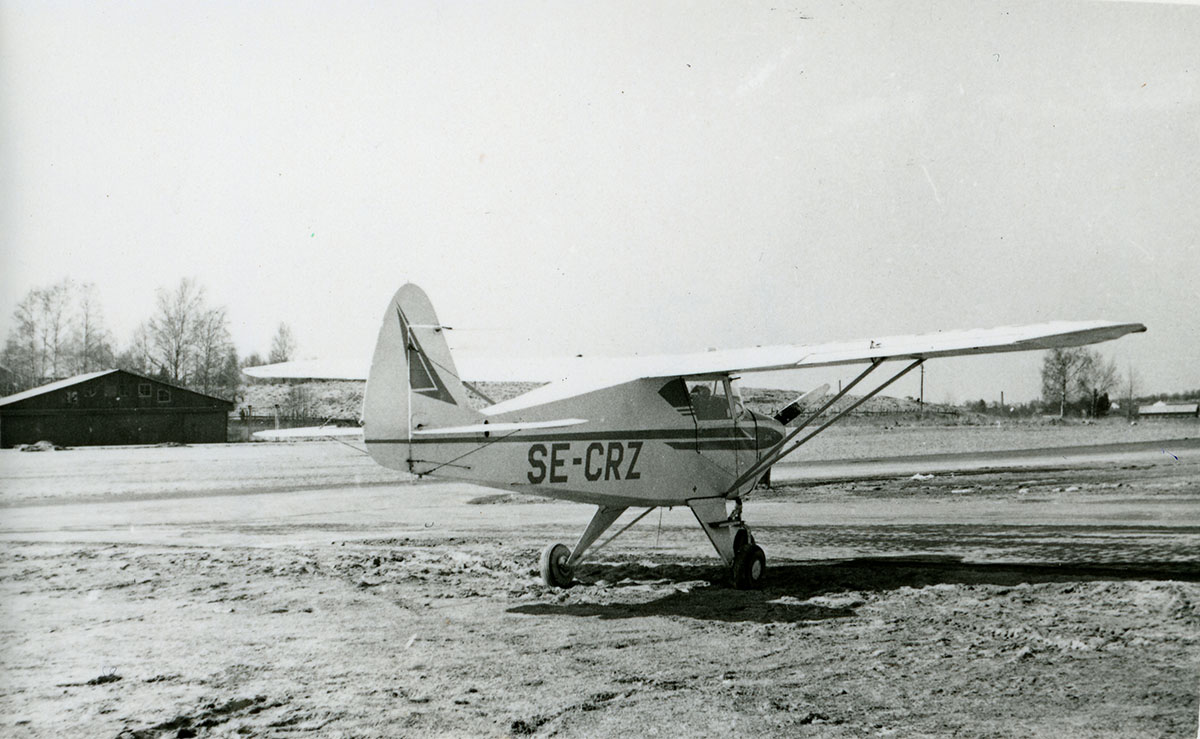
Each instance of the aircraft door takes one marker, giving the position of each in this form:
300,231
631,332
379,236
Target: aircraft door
724,429
745,428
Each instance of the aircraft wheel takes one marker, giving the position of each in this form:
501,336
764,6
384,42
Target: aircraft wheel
749,568
555,571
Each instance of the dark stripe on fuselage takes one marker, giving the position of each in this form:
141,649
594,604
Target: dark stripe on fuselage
676,438
723,445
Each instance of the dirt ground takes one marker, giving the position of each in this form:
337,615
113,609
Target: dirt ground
284,590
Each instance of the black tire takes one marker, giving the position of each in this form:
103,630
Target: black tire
749,568
555,571
741,540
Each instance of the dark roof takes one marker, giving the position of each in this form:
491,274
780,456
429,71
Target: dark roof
79,379
58,385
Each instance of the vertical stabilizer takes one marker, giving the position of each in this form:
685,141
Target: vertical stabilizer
413,383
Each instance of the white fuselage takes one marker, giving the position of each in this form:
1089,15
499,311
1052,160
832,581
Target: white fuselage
643,444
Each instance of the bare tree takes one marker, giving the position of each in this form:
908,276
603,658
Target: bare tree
283,346
22,350
39,347
229,380
139,357
1132,381
1060,373
93,343
1102,376
173,327
56,326
253,359
299,403
210,350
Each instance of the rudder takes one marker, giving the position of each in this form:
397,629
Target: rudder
413,382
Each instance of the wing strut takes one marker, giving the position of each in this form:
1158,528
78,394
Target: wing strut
766,463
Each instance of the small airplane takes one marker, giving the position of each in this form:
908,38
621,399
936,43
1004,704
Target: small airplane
641,432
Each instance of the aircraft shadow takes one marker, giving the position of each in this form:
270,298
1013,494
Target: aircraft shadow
708,594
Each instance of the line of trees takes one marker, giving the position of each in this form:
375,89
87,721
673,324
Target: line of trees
59,332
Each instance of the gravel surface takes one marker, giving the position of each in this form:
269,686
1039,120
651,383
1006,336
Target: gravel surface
322,597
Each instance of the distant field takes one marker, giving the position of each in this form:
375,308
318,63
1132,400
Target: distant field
854,441
130,473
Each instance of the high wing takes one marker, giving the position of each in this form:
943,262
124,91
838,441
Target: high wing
596,374
569,377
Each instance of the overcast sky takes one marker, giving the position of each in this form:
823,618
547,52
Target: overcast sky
617,177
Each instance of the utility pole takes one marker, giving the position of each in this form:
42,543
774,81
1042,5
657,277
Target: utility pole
1129,395
921,402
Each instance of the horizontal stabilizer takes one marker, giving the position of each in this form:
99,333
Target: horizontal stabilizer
498,428
475,368
309,432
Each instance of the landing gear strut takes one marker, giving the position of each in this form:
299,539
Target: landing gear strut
733,541
728,533
558,561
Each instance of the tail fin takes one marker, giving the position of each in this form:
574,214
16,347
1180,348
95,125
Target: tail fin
413,382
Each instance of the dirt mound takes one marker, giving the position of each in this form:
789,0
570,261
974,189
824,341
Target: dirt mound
506,499
208,716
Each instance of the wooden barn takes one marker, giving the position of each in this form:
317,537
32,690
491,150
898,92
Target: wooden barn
111,407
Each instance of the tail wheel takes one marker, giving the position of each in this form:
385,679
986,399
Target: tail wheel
555,571
749,568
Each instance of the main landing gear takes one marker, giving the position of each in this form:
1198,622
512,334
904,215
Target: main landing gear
749,567
729,535
732,539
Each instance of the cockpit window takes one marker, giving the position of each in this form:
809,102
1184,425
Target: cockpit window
709,401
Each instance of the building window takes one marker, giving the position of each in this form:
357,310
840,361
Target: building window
143,390
164,395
